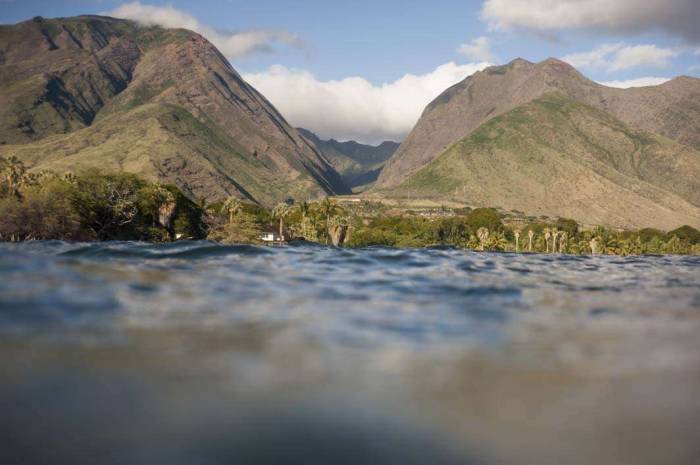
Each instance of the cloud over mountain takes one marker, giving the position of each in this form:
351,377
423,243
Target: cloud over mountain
355,108
637,82
674,17
617,57
478,49
231,44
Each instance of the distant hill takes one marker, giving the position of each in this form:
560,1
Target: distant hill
92,91
671,109
358,164
555,156
543,139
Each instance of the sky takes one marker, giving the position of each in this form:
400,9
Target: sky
365,70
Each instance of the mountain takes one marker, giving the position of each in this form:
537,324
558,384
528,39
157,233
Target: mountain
358,164
100,92
671,109
556,156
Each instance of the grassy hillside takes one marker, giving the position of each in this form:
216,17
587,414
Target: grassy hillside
164,103
556,156
164,142
671,110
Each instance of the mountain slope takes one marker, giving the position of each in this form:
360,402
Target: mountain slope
96,91
556,156
671,109
358,164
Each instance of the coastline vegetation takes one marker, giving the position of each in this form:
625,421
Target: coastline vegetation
91,206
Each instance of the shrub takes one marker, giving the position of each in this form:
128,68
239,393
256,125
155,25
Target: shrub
485,218
41,215
686,233
568,225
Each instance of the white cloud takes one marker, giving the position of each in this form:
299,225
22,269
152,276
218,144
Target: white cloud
675,17
596,58
354,108
478,49
232,45
616,57
638,82
642,55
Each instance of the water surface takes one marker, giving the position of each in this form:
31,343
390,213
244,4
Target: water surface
198,353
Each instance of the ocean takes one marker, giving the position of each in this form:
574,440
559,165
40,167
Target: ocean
200,353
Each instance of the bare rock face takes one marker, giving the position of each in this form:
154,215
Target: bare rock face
671,109
163,103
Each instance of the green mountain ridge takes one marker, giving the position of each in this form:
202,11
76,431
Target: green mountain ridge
671,109
359,164
101,92
557,156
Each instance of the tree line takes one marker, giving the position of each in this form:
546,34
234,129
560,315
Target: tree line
90,206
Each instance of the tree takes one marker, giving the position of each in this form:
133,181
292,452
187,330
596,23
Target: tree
567,225
304,209
485,218
686,233
483,235
13,175
280,212
232,206
497,241
328,209
109,204
41,214
160,203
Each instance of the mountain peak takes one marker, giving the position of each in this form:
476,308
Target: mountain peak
554,61
162,102
519,62
485,95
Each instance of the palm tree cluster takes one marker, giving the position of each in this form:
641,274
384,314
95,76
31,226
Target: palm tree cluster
324,221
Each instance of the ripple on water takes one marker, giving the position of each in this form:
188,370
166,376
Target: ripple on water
54,282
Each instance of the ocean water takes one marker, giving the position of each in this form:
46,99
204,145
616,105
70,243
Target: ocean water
199,353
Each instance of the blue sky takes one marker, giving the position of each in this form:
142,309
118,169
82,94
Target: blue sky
351,58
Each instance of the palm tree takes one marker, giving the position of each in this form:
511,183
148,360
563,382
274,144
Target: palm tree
472,243
563,241
232,206
14,174
547,237
328,209
338,230
530,235
308,230
280,212
483,235
165,203
516,233
498,242
304,209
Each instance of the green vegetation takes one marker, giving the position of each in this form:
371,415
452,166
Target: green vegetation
95,206
372,224
92,206
543,155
